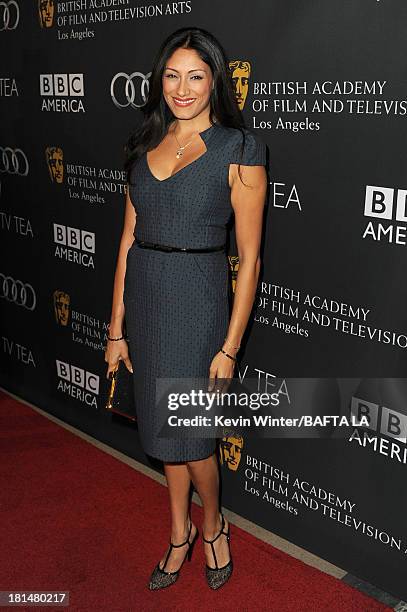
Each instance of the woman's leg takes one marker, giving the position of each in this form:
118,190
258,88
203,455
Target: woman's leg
179,482
205,477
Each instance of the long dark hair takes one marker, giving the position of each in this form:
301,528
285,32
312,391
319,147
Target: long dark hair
157,115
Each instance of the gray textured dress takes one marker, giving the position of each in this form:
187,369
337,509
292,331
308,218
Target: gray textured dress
176,304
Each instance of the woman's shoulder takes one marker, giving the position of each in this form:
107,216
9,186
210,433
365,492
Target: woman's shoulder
244,146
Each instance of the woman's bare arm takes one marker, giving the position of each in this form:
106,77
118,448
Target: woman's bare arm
119,350
248,205
248,199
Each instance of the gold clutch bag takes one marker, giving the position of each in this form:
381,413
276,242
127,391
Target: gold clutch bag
120,396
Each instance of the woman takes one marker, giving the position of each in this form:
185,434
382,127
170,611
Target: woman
190,164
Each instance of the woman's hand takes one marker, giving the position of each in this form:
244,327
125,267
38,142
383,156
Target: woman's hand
222,367
115,351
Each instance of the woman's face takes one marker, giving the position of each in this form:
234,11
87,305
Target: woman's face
187,84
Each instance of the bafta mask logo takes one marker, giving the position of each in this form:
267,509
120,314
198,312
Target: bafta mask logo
55,163
46,11
61,307
234,267
240,79
230,449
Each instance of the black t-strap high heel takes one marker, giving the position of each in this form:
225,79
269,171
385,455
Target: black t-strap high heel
159,578
217,576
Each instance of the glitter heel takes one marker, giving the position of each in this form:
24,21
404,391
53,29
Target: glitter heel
218,576
160,579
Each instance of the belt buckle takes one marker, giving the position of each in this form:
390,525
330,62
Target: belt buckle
164,247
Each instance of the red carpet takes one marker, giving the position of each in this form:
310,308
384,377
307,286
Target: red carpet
74,518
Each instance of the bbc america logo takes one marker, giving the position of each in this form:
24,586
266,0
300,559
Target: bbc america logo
382,421
62,92
77,383
387,205
75,245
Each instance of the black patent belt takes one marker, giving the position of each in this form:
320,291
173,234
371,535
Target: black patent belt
168,249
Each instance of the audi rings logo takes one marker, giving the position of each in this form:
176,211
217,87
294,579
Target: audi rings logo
13,161
130,89
9,15
17,292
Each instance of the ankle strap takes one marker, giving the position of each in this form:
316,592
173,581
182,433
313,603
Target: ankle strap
186,541
177,545
220,532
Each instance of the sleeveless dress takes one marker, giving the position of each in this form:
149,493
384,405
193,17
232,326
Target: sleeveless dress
177,304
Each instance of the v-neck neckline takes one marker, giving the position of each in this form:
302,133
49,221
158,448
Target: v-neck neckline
204,135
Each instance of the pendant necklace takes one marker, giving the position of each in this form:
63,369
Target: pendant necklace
180,150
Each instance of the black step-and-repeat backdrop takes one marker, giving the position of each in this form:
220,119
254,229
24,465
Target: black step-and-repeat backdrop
324,83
